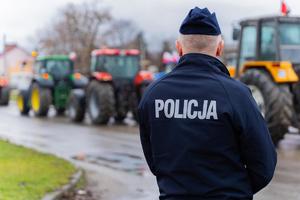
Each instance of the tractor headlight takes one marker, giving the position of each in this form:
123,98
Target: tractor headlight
46,76
281,73
77,76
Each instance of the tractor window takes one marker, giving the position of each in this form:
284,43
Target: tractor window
268,41
290,42
289,34
94,63
37,66
248,44
59,68
119,66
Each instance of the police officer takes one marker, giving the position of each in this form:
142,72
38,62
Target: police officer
202,133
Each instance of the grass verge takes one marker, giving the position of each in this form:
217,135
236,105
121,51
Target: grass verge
26,174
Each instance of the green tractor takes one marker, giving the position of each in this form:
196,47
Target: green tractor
52,81
116,85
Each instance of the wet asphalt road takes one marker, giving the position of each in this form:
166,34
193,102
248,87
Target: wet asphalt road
111,156
113,160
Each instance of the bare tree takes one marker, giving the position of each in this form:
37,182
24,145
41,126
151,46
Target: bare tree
76,28
122,34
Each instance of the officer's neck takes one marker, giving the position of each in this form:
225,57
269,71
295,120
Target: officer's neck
201,52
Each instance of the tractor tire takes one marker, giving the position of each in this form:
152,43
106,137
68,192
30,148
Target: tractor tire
278,107
141,91
121,106
60,111
120,118
22,103
4,96
40,100
100,102
76,108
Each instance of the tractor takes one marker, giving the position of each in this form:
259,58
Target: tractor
116,85
268,62
169,62
4,91
52,81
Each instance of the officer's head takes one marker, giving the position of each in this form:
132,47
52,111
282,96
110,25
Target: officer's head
200,33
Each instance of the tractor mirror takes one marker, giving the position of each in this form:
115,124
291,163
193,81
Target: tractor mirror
236,33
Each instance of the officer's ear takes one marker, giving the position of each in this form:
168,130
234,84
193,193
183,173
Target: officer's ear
220,48
179,48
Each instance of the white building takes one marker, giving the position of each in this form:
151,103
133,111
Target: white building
12,61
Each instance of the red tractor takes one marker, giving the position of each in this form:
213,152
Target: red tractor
116,86
4,91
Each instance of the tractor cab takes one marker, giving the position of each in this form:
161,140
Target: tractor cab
272,40
124,68
268,62
58,67
119,64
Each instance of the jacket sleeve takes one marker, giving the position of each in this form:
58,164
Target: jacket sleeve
145,135
257,149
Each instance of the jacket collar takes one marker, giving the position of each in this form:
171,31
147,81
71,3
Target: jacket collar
202,61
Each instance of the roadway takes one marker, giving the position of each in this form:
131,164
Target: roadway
112,156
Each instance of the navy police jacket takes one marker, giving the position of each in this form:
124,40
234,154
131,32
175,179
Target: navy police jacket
203,135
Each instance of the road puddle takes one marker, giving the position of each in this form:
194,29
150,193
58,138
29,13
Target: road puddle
116,160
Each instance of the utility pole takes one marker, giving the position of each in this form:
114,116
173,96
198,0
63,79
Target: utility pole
4,56
142,45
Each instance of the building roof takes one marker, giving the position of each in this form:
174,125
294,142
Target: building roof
9,47
53,57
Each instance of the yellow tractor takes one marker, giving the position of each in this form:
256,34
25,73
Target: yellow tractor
268,62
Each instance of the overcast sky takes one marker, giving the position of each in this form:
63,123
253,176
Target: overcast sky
159,19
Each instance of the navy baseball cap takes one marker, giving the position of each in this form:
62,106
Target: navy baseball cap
200,22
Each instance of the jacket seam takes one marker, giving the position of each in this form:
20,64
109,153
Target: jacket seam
226,92
154,86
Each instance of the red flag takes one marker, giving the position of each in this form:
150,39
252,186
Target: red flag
284,8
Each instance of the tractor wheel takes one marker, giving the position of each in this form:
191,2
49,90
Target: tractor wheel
141,92
76,108
100,102
4,96
40,100
120,118
60,111
22,103
274,100
121,105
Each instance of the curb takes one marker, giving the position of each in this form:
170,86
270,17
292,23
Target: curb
66,188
